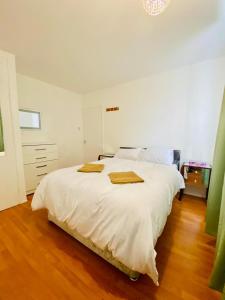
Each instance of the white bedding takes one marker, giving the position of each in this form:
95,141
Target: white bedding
127,219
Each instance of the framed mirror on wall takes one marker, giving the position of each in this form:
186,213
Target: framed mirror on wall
29,119
2,148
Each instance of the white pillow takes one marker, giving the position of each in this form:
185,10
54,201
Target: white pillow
132,154
158,155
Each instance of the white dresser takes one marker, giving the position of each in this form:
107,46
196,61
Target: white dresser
39,160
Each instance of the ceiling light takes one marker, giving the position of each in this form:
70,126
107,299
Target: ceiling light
155,7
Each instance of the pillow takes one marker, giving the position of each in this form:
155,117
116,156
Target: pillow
132,154
158,155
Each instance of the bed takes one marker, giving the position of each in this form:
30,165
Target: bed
121,223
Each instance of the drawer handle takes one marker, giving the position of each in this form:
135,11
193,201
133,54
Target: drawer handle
42,174
41,157
41,166
40,149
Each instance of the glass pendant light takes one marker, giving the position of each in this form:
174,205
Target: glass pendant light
155,7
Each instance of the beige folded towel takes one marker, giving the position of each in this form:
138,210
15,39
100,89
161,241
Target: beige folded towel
124,177
91,168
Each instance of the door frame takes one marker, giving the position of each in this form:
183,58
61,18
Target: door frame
9,61
102,126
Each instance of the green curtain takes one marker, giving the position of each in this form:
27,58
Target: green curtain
1,135
218,276
215,218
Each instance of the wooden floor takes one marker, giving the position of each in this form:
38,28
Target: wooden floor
40,261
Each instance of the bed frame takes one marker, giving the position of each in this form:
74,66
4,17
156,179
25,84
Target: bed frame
106,254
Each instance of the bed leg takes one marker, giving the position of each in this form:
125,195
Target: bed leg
134,278
181,194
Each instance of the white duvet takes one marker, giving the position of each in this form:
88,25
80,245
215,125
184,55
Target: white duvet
127,219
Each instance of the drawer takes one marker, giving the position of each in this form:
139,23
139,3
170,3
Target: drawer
35,172
39,157
44,167
31,180
35,150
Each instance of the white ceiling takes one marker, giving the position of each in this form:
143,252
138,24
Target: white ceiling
84,45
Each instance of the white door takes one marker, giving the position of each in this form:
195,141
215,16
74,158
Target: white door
92,133
11,177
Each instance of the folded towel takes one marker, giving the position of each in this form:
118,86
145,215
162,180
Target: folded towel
89,168
124,177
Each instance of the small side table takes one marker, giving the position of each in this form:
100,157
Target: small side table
196,175
101,156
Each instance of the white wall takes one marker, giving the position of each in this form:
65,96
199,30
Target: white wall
179,108
61,117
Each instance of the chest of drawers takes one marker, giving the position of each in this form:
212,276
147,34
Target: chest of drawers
39,160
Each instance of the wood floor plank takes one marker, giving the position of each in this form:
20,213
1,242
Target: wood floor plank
40,261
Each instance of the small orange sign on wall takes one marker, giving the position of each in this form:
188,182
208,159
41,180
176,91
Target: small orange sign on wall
108,109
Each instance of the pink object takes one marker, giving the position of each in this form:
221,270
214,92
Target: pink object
197,164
